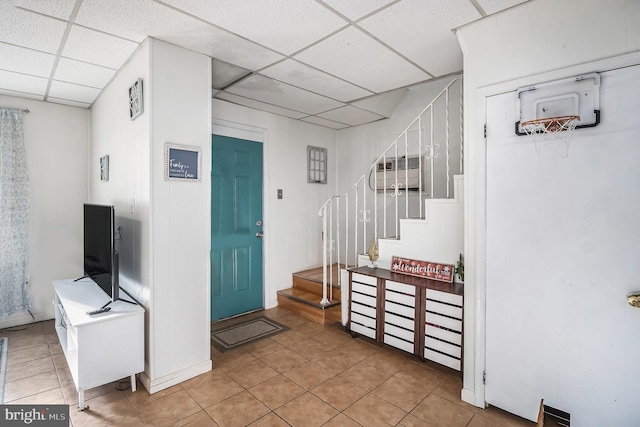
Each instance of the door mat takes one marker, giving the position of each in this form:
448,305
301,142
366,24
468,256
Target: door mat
4,343
243,333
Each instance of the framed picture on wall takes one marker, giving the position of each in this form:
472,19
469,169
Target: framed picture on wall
182,163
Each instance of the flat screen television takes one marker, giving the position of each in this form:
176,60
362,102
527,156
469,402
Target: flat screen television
100,256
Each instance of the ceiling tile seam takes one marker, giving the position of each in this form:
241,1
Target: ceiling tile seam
302,119
392,50
258,100
352,106
88,63
346,18
78,84
308,90
24,74
27,48
331,75
478,8
204,21
21,91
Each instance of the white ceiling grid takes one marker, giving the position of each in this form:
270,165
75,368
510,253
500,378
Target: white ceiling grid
334,63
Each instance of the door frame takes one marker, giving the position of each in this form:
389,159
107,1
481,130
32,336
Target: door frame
256,134
475,235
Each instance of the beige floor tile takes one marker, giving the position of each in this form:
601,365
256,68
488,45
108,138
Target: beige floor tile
169,409
335,361
270,420
213,389
504,417
308,375
310,329
276,391
373,411
231,359
199,419
252,373
450,388
420,376
334,338
24,342
283,360
400,393
389,361
365,376
358,349
71,394
52,397
29,369
413,421
341,420
102,408
289,337
27,354
310,348
339,393
142,397
263,347
121,421
239,410
440,412
306,411
29,386
480,421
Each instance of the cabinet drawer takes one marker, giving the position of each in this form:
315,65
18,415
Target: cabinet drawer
400,287
445,309
370,280
363,309
397,332
402,310
363,320
398,343
444,334
443,347
363,289
442,359
444,297
363,299
408,300
446,322
402,322
363,330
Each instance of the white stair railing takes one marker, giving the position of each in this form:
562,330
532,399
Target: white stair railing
419,164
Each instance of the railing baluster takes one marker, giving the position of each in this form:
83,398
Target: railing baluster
446,125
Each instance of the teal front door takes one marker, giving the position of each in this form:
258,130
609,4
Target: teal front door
236,227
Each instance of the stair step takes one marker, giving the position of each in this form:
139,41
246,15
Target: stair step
307,305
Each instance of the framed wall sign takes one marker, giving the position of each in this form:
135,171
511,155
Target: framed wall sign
136,105
182,163
429,270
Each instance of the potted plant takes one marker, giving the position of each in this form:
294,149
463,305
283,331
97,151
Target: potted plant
459,270
373,253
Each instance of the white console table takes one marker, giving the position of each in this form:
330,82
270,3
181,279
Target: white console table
101,348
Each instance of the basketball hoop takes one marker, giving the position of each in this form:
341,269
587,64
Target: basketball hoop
550,129
551,126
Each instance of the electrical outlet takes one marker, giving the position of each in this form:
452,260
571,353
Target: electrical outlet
279,193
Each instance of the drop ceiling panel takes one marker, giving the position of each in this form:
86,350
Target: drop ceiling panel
59,8
69,70
272,92
28,29
97,48
350,115
23,83
27,61
68,102
356,9
134,20
324,122
228,47
73,92
413,31
493,6
355,57
21,95
251,103
285,26
305,77
223,74
383,104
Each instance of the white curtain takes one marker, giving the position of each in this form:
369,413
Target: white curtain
14,214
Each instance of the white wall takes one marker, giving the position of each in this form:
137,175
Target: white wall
164,238
521,46
292,227
56,139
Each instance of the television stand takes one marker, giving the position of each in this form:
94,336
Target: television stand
98,349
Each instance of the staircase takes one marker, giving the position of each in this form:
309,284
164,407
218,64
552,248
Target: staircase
305,297
409,201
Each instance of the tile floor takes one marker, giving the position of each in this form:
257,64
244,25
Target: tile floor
308,376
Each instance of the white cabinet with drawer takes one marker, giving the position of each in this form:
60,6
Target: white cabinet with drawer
443,328
363,305
399,315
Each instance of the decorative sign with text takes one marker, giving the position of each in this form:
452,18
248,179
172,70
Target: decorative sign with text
429,270
182,163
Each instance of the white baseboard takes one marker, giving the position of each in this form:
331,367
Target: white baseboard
469,397
158,384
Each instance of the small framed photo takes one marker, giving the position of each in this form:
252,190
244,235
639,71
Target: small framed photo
104,168
136,104
182,163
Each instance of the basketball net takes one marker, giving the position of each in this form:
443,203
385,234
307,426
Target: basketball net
551,130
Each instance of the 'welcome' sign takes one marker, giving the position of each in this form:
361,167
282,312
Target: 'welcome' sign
430,270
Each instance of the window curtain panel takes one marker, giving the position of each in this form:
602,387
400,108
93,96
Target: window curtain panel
14,214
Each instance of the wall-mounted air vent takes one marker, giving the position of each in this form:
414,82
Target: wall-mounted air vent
403,172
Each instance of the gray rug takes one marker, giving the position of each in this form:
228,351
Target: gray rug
243,333
4,343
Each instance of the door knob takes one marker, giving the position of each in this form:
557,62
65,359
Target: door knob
260,234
